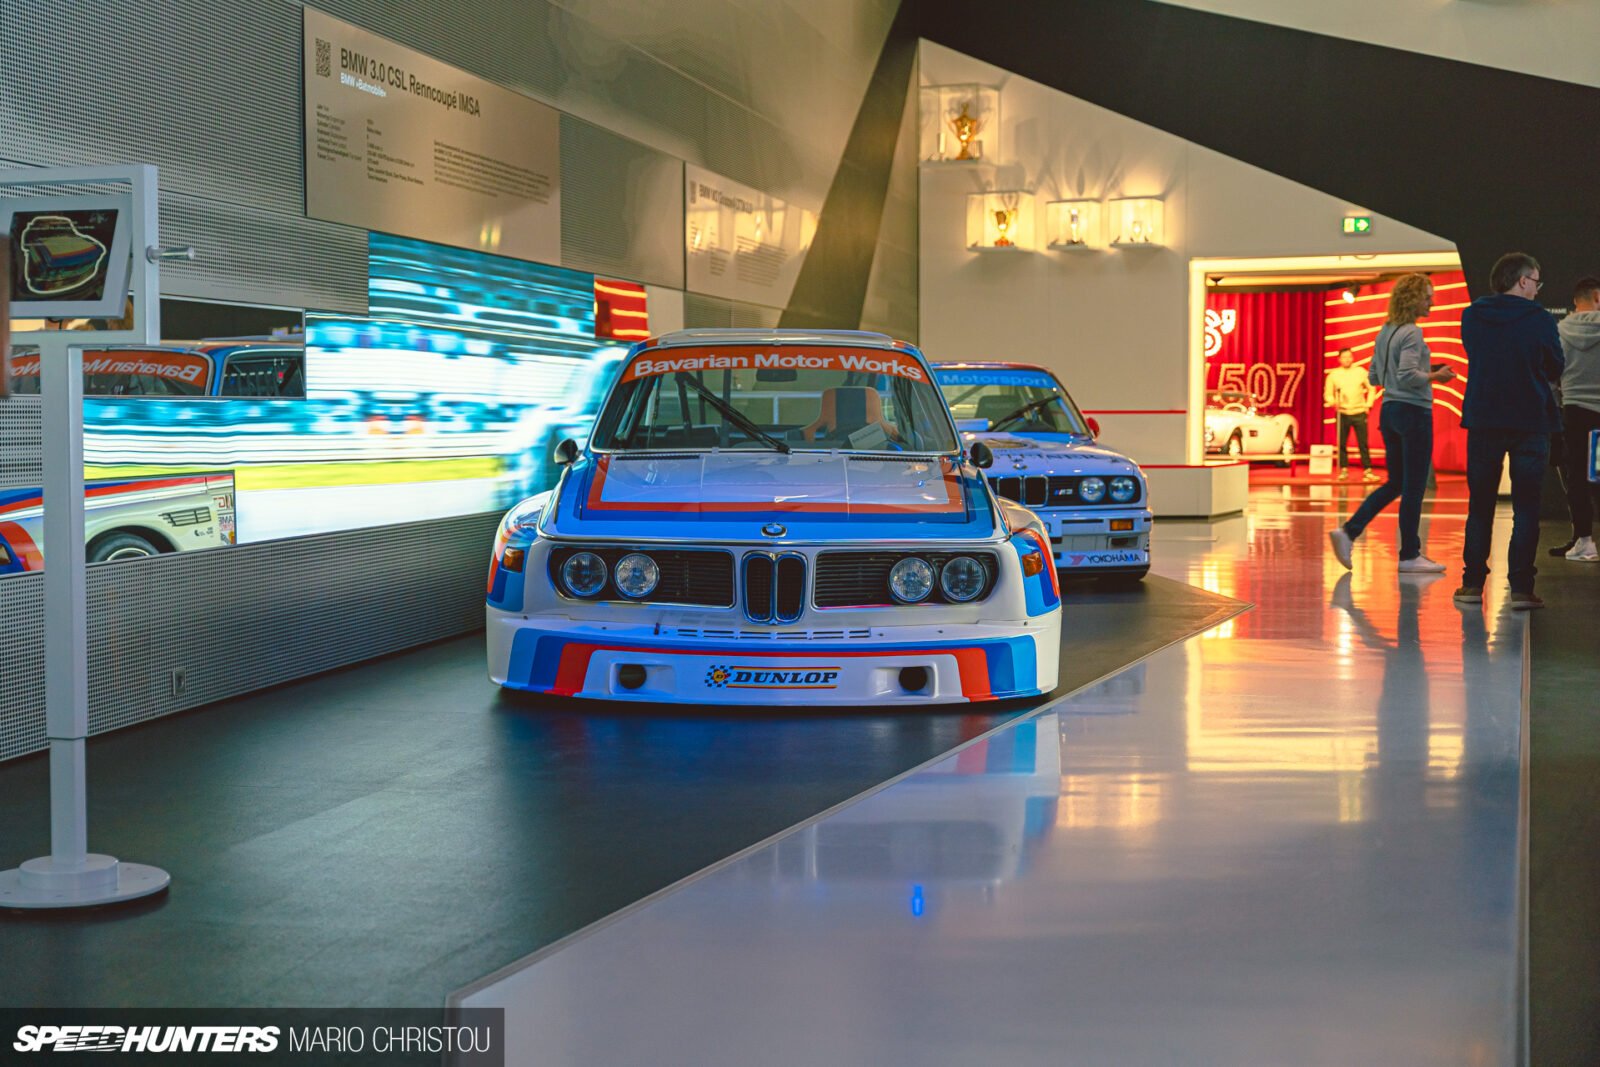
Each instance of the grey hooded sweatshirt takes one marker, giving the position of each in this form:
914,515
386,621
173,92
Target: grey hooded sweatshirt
1580,343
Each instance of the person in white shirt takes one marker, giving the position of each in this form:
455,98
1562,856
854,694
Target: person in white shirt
1350,394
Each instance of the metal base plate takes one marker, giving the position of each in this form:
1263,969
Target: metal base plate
99,879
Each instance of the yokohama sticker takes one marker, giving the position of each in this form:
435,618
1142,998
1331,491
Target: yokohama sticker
1101,559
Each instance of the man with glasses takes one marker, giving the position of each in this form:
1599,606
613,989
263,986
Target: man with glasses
1509,410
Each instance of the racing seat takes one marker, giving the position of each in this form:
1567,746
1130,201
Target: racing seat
847,409
995,408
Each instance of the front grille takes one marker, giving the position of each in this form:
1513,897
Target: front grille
1055,491
188,517
774,586
861,579
702,577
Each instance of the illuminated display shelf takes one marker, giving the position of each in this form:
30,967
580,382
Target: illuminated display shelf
960,125
1075,226
1000,221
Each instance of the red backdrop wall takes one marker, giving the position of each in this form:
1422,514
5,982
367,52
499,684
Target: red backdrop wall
1273,352
1355,325
1295,338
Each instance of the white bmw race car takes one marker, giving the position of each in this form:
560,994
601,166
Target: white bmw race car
127,518
773,517
1092,499
1235,428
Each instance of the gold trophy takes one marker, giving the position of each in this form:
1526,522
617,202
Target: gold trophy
965,127
1002,224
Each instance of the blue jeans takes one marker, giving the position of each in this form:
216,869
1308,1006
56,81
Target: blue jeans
1486,455
1408,438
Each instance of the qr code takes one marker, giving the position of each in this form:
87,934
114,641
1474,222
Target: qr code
324,59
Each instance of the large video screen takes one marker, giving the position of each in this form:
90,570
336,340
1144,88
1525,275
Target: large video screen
447,398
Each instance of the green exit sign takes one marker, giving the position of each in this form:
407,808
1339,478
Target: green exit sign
1358,225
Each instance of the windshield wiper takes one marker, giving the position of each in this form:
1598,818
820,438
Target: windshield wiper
1022,412
733,415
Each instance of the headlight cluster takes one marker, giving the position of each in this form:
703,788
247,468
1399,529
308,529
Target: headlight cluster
1124,489
960,579
584,575
1092,490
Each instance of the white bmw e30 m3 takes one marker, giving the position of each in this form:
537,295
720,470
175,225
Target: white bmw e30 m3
774,517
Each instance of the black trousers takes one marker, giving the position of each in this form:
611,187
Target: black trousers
1358,423
1583,496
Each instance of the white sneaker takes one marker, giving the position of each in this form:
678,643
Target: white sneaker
1584,551
1421,565
1341,545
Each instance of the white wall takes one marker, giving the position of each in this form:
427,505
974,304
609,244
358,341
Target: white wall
1549,38
1113,324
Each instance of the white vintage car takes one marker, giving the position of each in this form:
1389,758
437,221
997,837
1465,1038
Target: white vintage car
126,518
773,517
1235,428
1092,499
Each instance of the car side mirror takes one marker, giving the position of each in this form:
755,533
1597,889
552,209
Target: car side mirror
982,456
567,452
1094,426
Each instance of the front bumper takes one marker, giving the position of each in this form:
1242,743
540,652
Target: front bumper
562,657
1083,540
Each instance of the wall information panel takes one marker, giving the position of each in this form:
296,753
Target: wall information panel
399,142
740,243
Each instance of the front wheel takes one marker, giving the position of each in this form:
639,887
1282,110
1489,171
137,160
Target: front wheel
1236,446
1287,449
115,546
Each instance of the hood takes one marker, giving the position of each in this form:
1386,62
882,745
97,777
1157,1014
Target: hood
1064,455
1581,330
733,495
1503,308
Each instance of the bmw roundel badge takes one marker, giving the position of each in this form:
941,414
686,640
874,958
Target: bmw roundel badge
774,529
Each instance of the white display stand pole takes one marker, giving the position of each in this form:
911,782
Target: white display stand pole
72,876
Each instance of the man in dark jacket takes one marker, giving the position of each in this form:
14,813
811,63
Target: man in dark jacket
1513,361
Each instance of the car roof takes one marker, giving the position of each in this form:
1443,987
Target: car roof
846,338
988,364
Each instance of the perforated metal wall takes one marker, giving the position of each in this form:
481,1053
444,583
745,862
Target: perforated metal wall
238,619
21,461
712,311
621,207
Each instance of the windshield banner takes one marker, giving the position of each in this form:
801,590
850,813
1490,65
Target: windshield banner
995,377
657,361
190,367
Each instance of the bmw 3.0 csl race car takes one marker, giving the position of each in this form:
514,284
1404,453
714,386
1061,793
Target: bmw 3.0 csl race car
1092,499
773,517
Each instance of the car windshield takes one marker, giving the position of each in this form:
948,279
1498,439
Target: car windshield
1025,401
1229,401
127,372
776,398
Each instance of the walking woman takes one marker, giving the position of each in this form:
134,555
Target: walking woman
1400,364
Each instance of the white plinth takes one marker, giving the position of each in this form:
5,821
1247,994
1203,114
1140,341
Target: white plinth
47,883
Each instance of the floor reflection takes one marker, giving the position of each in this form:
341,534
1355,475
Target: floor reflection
1290,840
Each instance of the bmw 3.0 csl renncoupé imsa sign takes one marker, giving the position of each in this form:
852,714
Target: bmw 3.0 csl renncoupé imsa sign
774,517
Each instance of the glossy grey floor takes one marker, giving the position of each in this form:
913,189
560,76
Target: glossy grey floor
1291,840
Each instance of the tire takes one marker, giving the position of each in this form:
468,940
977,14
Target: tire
1287,450
120,545
1235,446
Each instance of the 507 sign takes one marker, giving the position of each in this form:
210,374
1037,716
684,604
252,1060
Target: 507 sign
1269,384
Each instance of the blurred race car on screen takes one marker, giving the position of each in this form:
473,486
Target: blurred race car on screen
773,517
1092,499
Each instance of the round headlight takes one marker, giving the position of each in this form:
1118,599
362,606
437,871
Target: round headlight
636,575
911,580
1092,490
962,578
1124,489
584,574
